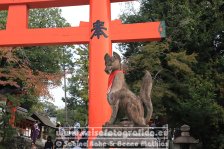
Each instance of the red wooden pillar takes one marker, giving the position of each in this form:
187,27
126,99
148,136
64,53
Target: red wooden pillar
17,21
12,112
99,110
17,18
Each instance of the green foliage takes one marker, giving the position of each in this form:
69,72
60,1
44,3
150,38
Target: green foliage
167,71
3,15
38,61
47,58
6,131
77,114
187,66
7,134
78,86
202,112
49,108
46,18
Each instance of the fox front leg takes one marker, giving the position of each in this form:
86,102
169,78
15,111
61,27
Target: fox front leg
114,112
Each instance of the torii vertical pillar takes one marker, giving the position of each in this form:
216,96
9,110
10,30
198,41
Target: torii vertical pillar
114,31
99,110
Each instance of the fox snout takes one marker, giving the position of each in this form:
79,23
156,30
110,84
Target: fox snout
112,62
108,69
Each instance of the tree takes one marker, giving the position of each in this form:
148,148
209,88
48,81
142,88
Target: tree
203,113
187,66
169,71
49,59
29,71
46,59
49,108
78,86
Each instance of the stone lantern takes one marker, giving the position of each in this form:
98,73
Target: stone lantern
185,141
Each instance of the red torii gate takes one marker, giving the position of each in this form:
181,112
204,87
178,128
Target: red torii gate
106,31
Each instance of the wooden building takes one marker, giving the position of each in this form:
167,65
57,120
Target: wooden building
44,124
24,122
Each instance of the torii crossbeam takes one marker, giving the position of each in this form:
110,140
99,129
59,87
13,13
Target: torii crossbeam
99,33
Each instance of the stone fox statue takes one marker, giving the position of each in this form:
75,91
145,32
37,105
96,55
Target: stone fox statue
124,103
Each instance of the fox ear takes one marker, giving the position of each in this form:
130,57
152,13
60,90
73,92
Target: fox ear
106,57
117,56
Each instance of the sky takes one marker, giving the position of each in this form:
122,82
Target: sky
74,15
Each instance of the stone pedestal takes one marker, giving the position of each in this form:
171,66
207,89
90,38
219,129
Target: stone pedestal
132,137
